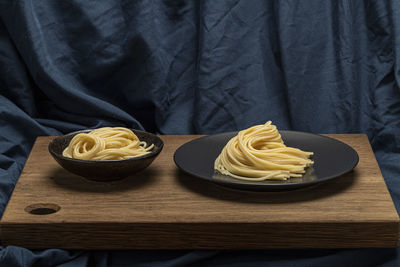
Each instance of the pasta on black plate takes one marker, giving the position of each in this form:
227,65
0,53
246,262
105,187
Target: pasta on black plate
259,153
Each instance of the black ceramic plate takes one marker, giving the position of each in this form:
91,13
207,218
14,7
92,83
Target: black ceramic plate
332,159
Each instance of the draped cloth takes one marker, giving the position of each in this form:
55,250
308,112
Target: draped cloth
199,67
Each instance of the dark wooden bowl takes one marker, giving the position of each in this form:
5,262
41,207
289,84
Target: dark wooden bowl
105,170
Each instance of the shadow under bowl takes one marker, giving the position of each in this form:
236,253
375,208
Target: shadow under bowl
105,170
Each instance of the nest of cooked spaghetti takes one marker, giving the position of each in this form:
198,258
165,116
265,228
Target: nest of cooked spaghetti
259,153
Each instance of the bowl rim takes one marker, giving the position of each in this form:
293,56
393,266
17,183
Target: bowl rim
152,153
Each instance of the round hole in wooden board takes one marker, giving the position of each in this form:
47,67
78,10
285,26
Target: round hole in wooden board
42,208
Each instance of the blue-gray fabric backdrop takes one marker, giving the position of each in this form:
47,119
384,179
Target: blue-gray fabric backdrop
183,67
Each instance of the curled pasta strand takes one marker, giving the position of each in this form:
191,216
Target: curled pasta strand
259,153
107,143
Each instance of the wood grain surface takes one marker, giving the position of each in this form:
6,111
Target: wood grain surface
162,208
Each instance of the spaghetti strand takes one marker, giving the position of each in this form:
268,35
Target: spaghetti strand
107,143
259,153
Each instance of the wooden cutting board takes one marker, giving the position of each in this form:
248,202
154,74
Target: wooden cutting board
162,208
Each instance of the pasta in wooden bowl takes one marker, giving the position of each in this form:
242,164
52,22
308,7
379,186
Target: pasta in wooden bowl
107,143
106,154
